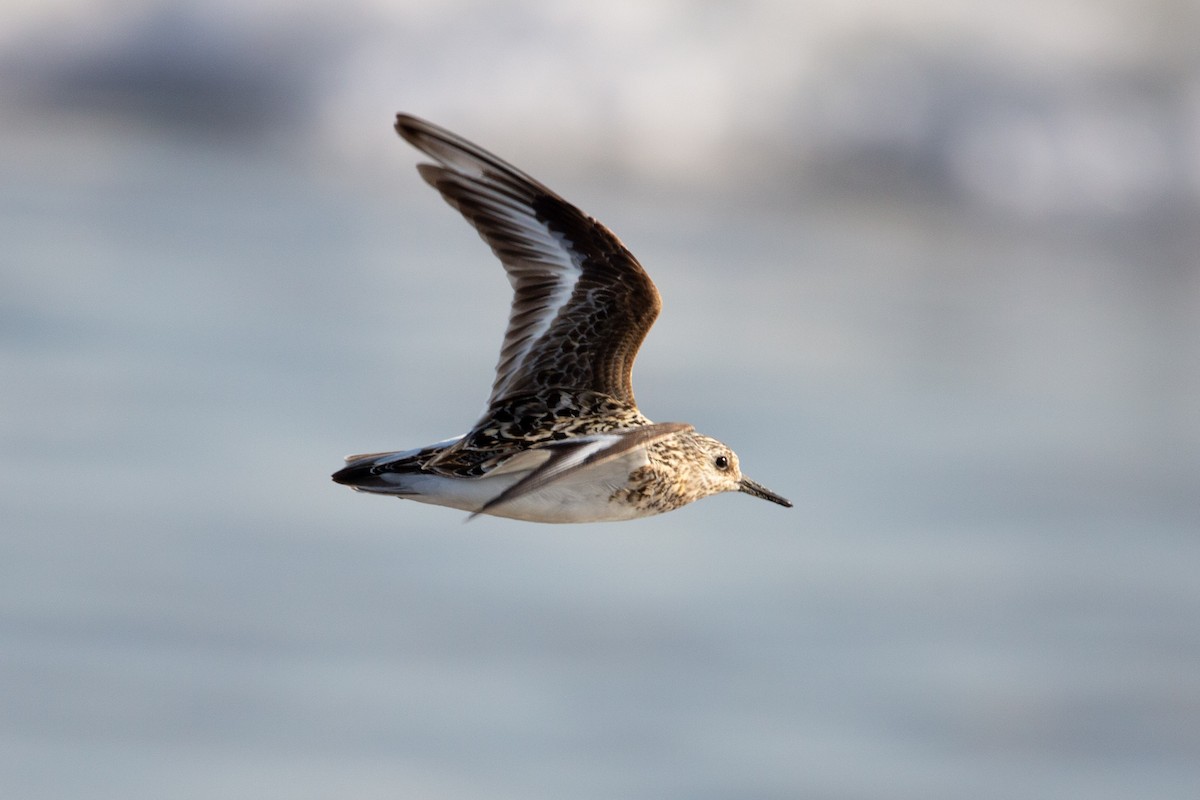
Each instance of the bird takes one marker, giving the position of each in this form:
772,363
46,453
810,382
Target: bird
561,439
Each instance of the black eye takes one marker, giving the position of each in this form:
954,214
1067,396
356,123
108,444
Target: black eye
721,463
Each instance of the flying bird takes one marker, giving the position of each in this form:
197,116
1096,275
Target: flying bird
562,439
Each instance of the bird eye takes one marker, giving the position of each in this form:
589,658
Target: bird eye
721,463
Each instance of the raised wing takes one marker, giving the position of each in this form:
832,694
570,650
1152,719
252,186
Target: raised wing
582,303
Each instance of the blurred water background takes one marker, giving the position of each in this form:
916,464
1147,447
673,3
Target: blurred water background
931,268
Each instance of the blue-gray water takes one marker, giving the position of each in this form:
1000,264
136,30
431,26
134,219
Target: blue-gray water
987,414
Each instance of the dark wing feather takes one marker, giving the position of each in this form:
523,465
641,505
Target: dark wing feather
582,303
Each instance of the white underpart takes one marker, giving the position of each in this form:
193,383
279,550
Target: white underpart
584,496
569,481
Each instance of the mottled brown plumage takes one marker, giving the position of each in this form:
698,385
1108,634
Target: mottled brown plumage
562,439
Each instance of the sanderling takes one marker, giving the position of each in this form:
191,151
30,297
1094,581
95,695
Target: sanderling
562,439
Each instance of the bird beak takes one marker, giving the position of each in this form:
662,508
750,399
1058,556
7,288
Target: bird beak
758,490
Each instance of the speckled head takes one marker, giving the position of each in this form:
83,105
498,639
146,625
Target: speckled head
712,467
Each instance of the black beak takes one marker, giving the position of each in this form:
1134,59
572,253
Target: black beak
758,490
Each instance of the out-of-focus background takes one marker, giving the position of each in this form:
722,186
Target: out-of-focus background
933,269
